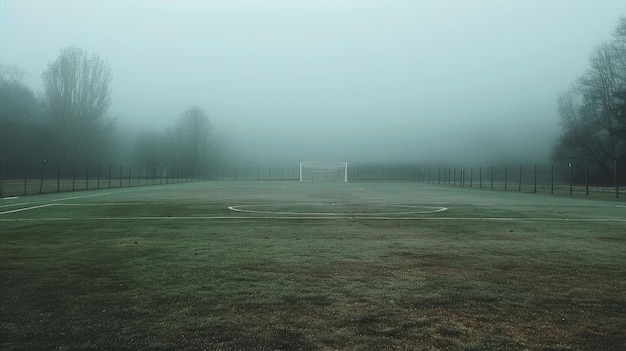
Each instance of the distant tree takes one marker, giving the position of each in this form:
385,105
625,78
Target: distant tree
191,140
149,149
23,136
77,97
17,101
592,112
12,73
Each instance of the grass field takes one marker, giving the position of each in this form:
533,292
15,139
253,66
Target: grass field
311,266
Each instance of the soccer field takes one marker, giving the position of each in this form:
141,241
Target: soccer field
311,266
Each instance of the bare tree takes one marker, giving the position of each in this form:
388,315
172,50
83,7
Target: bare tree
77,97
592,112
191,139
12,73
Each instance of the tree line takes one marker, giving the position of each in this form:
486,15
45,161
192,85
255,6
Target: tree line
69,120
593,111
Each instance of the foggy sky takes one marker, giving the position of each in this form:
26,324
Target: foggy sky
344,80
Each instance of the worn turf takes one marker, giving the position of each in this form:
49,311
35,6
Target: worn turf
172,268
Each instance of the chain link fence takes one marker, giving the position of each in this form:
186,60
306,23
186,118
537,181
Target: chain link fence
19,178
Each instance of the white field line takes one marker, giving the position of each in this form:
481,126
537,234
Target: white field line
25,209
418,210
363,218
48,204
81,196
106,204
18,204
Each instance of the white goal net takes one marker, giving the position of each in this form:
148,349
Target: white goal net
324,171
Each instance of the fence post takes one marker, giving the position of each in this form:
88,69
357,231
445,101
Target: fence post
571,184
73,175
552,178
586,181
535,181
87,176
454,177
129,170
25,175
616,179
98,175
109,176
505,179
1,175
480,177
491,176
519,188
43,171
58,176
121,176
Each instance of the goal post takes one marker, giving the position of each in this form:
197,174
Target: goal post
324,171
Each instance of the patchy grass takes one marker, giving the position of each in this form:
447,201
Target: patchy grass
308,284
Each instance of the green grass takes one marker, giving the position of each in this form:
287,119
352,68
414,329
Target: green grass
81,283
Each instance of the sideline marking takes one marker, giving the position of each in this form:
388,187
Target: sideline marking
26,209
362,218
80,197
51,203
13,205
10,198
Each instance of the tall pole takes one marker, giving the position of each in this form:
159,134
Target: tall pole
25,175
616,180
1,175
552,178
586,181
571,184
535,178
43,173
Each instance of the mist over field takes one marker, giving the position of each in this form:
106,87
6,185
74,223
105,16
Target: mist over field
356,81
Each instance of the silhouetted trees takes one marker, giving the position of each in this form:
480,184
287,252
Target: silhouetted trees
69,121
150,149
592,112
76,99
190,139
187,145
17,101
23,134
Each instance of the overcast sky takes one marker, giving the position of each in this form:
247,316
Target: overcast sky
338,80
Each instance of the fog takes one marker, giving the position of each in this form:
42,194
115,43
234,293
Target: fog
357,81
